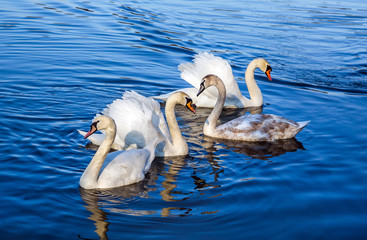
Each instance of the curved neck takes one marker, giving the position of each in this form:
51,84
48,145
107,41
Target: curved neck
177,140
211,122
253,89
90,175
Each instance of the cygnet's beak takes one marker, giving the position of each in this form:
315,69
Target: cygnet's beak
201,89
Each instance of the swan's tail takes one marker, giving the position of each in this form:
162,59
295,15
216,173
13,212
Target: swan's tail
189,91
152,145
301,125
165,96
151,148
96,139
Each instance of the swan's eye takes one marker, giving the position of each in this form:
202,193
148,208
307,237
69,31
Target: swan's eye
94,124
268,68
93,129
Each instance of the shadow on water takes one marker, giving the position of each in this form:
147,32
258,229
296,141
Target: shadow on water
259,150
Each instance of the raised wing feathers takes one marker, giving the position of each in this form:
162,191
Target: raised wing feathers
204,64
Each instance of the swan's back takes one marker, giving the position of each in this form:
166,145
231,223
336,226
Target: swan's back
126,167
123,168
259,127
204,64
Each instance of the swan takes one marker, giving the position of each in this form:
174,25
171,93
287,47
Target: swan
250,127
109,170
206,63
139,120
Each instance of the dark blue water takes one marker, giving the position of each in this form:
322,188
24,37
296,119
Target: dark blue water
61,62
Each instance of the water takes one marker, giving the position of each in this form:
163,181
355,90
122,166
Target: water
61,62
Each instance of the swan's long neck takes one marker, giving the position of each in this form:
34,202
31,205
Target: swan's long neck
253,89
178,141
211,122
89,178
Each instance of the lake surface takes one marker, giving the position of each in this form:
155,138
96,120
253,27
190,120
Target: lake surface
62,62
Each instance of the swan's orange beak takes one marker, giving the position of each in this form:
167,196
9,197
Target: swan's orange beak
191,106
268,74
93,129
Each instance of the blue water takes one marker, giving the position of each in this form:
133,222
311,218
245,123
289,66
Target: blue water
61,62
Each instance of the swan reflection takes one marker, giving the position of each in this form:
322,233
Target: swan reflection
162,183
97,214
118,200
112,200
174,165
259,150
101,201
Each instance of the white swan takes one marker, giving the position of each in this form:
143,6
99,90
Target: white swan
206,63
117,168
250,127
139,120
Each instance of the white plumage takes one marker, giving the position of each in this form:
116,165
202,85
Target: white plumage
109,170
206,63
139,120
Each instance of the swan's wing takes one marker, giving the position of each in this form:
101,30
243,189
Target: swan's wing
247,127
260,127
131,160
123,167
204,64
150,105
282,128
138,119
